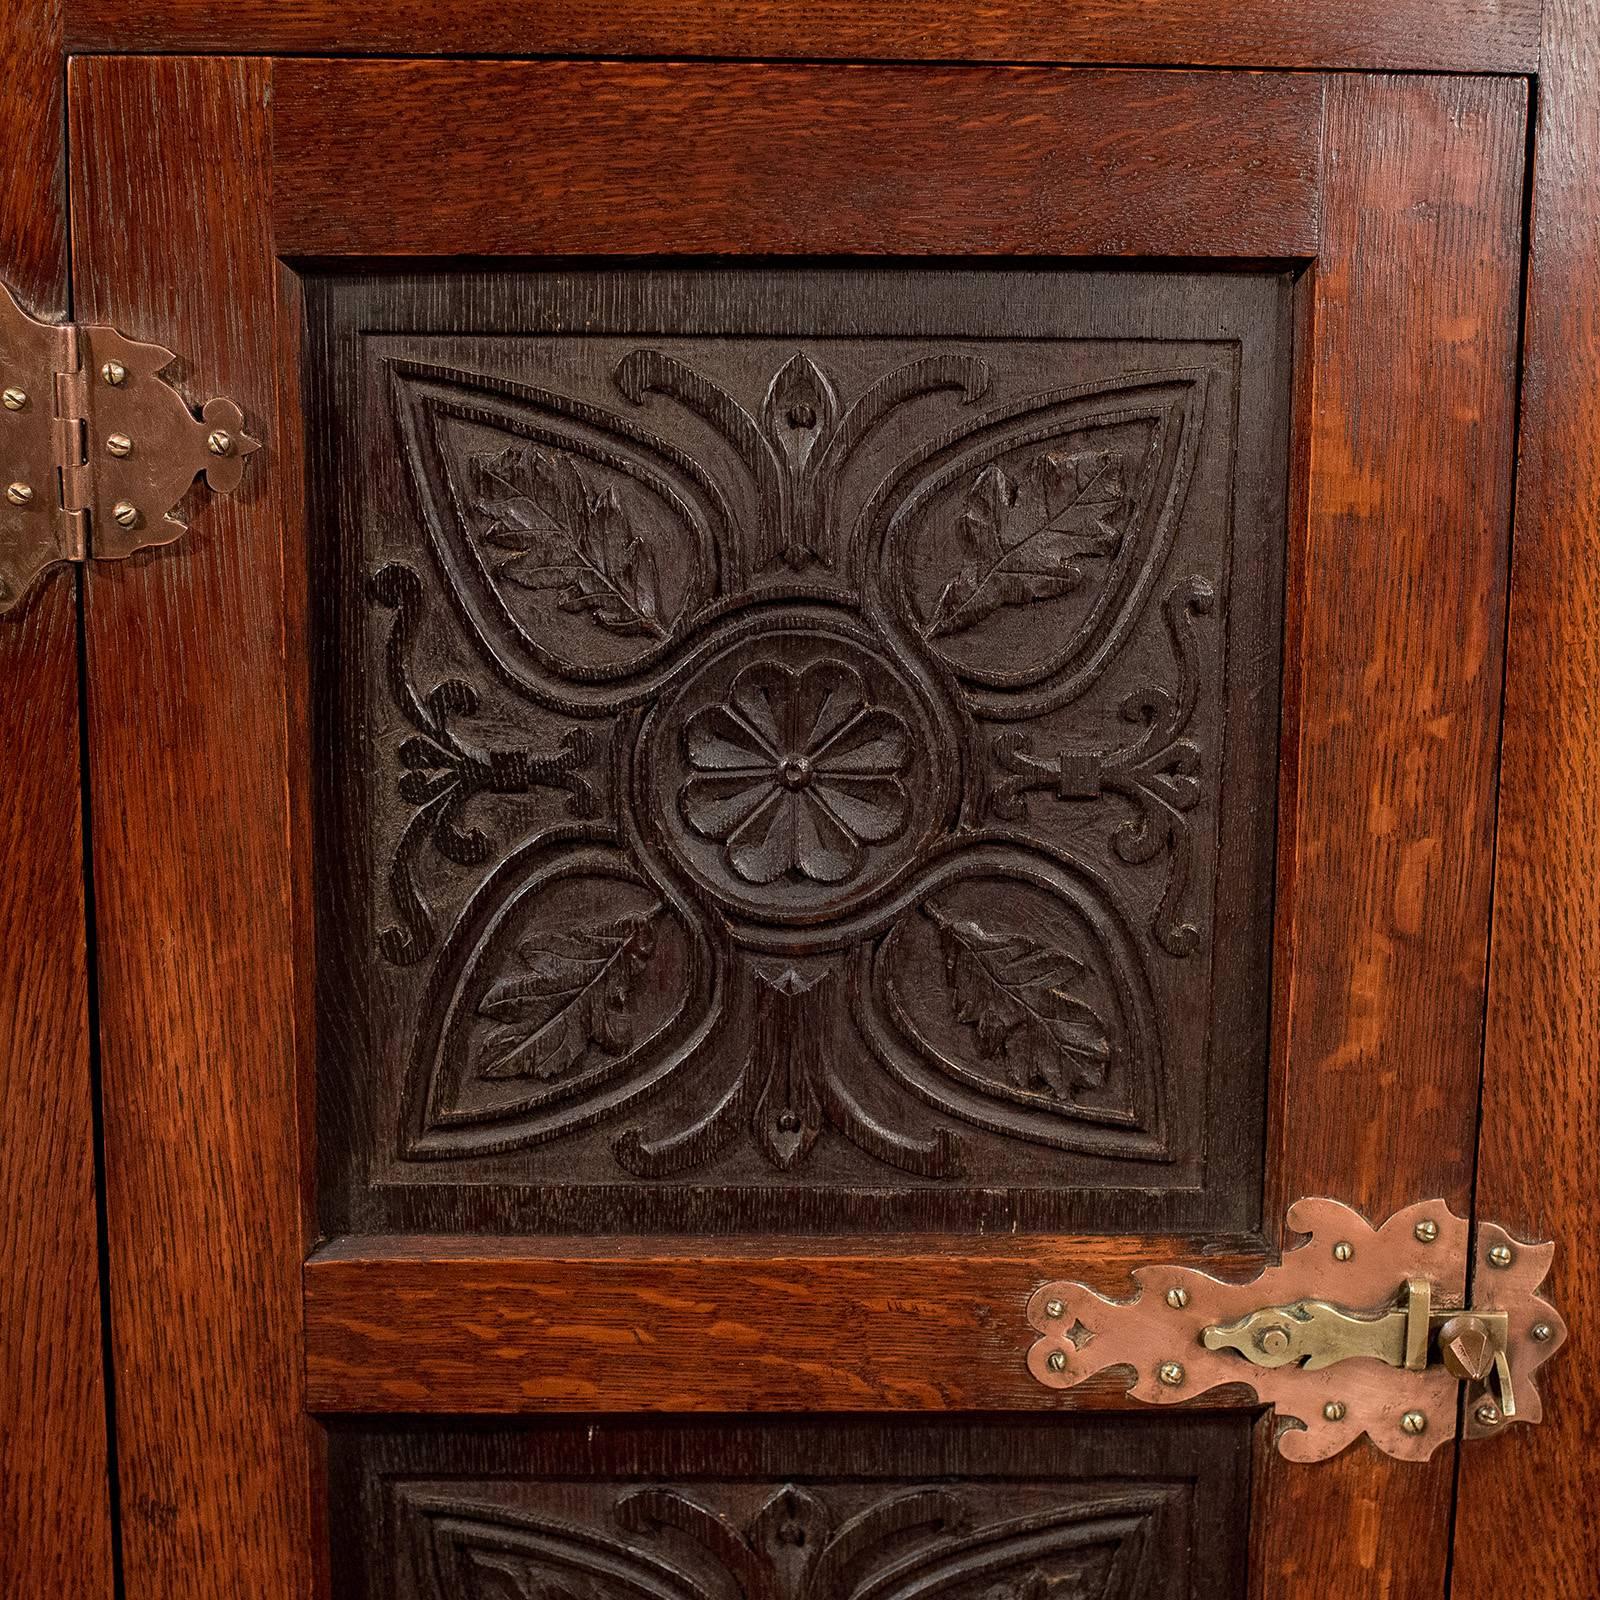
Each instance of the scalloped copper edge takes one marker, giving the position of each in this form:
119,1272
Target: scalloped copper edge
54,441
1148,1332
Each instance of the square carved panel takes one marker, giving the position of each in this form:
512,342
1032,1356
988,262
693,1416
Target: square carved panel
1113,1509
796,748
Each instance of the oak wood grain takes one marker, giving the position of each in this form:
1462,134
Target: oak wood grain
439,1325
1539,1172
620,159
1400,593
55,1515
189,732
1448,35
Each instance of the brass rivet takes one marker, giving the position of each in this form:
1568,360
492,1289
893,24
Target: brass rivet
1413,1422
1488,1413
1054,1308
114,373
1274,1341
1057,1361
1334,1411
15,399
219,442
126,514
119,444
1500,1255
1177,1298
1170,1373
1427,1230
1542,1332
19,494
1343,1251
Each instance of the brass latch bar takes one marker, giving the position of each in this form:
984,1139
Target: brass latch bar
96,448
1357,1330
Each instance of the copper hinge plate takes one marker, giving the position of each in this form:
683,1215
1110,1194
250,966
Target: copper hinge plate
1358,1330
96,448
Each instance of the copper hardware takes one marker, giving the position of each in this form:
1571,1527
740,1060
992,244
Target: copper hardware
1390,1319
63,505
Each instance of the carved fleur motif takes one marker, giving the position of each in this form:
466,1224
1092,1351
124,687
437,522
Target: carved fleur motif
796,772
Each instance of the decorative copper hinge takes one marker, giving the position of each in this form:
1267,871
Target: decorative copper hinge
96,448
1357,1330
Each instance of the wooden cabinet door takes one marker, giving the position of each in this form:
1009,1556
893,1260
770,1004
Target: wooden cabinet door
838,692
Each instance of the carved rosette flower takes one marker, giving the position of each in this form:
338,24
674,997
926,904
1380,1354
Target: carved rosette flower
796,772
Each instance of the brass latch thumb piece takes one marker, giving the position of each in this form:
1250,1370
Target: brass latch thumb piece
1357,1330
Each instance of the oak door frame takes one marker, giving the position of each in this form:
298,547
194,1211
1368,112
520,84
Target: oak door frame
55,1502
192,179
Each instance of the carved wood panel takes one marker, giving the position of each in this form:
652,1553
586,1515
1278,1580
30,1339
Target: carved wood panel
780,1511
797,748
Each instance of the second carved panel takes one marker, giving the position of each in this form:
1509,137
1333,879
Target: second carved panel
796,748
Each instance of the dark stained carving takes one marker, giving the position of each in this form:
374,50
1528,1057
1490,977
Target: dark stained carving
832,1508
1020,996
668,1544
825,773
571,991
553,529
441,775
1159,774
1029,540
796,772
802,439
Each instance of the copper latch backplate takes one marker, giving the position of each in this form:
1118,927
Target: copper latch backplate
1357,1330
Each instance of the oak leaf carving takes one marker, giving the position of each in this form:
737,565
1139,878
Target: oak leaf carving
571,991
555,530
1025,539
1015,992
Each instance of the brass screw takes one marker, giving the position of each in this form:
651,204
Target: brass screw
19,494
1500,1255
1488,1413
114,373
1334,1411
1057,1361
125,514
15,399
1170,1373
1413,1422
1343,1251
1427,1230
119,444
1053,1309
1273,1341
219,442
1542,1332
1177,1298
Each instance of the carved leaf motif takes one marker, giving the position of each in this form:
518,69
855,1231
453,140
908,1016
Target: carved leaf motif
571,992
558,532
1014,991
1024,540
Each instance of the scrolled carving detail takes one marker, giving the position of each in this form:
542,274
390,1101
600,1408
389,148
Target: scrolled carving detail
664,1542
778,852
1158,774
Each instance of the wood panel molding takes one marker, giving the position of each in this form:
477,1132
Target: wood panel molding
691,159
1399,588
1380,35
439,1325
192,777
55,1507
1539,1159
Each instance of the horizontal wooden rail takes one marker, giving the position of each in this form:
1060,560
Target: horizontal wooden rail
1380,35
517,1325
